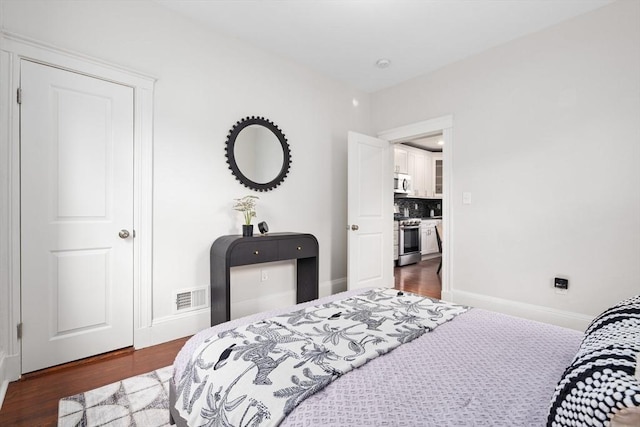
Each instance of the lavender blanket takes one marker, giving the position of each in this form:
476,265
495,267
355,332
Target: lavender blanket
482,368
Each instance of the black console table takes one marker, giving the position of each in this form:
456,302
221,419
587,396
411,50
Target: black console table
232,251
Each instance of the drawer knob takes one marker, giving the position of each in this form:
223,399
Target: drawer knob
256,253
299,248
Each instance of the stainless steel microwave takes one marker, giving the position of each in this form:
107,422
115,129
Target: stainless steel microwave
401,183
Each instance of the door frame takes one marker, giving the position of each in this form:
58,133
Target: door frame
442,124
13,49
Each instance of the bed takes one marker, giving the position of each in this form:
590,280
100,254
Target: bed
481,368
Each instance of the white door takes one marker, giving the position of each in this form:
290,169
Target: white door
370,209
76,196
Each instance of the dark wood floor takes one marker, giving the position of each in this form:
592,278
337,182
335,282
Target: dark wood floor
33,400
420,278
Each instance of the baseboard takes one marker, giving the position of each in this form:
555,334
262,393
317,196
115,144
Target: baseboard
431,256
332,287
4,382
9,371
3,391
169,328
539,313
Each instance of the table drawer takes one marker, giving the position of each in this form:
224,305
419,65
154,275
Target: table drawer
301,247
252,252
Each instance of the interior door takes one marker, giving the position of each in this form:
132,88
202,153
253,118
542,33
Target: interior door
76,215
370,209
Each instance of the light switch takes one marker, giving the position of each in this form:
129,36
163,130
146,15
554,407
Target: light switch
466,198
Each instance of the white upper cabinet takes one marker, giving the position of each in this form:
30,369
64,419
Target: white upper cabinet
428,174
417,170
420,165
437,174
400,160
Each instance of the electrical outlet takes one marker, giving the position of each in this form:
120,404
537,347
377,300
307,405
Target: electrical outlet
264,275
561,285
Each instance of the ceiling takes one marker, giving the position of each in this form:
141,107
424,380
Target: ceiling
429,143
343,39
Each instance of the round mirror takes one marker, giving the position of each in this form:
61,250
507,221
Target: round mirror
258,153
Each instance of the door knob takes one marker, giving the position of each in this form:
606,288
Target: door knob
354,227
123,234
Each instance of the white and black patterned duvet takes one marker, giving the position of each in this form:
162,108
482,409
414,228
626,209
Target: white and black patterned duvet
258,373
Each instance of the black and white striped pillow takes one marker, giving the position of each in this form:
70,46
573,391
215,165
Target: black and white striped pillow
601,380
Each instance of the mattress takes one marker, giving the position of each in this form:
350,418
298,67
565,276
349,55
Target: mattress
481,368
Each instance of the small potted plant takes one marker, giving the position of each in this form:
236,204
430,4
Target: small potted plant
246,205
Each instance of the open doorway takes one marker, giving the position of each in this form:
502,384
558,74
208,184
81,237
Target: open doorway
422,214
418,215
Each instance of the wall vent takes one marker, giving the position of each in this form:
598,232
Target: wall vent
190,299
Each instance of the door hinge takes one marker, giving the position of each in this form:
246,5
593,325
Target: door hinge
19,330
19,96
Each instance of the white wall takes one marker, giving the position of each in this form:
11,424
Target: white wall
547,139
207,82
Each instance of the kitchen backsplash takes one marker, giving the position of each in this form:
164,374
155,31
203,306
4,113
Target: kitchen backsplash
419,208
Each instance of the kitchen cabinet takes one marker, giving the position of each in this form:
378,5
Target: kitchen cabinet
419,166
400,160
437,175
428,239
427,181
416,163
424,167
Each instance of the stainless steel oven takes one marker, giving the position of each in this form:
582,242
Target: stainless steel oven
409,241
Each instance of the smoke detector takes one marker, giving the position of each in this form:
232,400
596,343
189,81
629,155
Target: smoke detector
383,63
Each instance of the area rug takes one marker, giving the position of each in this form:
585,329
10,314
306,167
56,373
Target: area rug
142,400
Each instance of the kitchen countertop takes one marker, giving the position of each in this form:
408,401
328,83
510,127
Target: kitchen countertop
424,218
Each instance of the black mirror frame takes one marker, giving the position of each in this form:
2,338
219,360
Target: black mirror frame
231,159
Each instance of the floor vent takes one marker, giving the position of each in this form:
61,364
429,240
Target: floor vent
190,299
